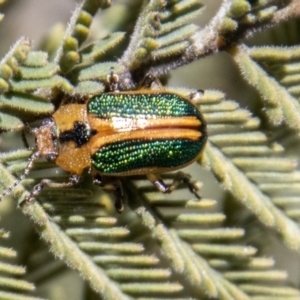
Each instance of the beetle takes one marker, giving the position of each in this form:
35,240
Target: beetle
144,132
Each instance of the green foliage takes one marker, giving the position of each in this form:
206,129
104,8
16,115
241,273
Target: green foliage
174,246
11,275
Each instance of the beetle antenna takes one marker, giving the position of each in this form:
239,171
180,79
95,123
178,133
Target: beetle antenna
31,160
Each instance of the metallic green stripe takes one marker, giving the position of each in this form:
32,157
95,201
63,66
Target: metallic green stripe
135,154
157,105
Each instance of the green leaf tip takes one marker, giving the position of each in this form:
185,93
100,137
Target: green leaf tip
238,8
100,71
13,286
77,33
281,105
88,88
95,51
8,122
9,65
159,30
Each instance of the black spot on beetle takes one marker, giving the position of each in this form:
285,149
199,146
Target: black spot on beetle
80,134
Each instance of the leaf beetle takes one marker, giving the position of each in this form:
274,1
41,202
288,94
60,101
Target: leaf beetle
115,134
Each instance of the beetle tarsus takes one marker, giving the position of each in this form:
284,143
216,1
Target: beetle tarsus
196,95
31,160
162,187
34,192
187,179
149,79
114,186
180,177
119,197
73,179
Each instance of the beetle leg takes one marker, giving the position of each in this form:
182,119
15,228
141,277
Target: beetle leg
26,129
113,80
196,95
115,186
119,196
73,179
149,79
24,139
180,177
